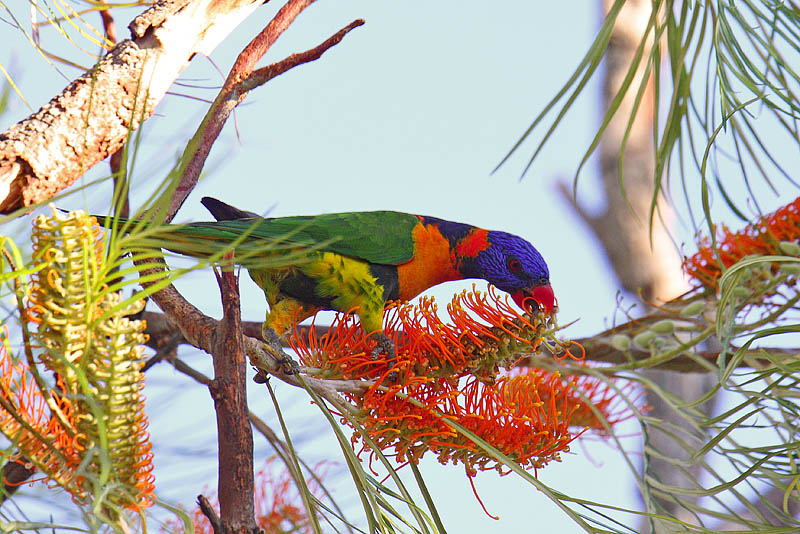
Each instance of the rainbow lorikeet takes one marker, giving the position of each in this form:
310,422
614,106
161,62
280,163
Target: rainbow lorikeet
361,260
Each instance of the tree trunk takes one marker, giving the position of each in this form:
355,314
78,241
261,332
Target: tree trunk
643,258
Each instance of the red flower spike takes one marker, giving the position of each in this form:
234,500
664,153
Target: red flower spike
760,238
608,399
448,372
483,332
527,417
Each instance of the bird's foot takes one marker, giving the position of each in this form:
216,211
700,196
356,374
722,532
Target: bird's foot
385,346
290,367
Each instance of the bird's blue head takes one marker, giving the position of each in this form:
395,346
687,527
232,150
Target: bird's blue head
509,263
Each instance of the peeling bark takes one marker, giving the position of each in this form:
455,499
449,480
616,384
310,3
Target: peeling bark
90,119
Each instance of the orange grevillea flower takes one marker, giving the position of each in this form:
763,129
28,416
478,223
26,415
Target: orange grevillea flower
278,505
531,416
446,375
484,332
760,238
510,414
601,403
25,419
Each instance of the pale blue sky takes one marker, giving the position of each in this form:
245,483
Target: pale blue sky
410,112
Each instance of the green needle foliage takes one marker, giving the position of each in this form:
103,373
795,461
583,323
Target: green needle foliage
730,65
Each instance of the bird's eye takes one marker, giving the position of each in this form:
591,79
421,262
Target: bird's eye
514,265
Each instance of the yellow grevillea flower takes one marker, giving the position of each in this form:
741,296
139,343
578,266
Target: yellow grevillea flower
87,433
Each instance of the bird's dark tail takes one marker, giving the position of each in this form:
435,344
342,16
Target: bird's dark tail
225,212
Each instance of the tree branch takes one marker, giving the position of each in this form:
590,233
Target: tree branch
160,330
109,28
598,348
234,434
211,514
91,118
197,328
265,74
240,81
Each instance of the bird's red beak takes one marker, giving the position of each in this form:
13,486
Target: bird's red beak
543,295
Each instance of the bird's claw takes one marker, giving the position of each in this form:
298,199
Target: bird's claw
289,366
385,346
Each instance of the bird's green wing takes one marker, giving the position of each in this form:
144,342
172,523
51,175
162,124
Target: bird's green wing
383,237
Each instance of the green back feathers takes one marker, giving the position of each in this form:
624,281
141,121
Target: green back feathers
382,237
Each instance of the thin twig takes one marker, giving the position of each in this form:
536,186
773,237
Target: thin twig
165,351
108,24
241,79
265,74
210,513
188,370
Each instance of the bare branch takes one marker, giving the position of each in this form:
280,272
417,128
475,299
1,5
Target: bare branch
265,74
116,161
598,349
159,329
197,329
167,350
188,370
109,27
210,513
91,118
239,82
262,427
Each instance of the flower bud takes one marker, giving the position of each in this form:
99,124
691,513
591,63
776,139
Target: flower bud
644,339
694,308
791,268
790,248
665,326
621,342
